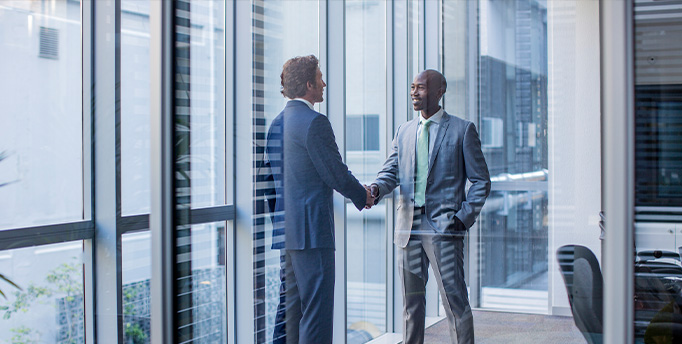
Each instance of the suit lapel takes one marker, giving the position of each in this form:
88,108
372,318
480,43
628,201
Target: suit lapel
445,121
411,142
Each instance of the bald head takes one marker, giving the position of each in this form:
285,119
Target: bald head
426,91
436,80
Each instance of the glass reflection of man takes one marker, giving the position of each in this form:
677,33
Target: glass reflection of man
433,157
306,167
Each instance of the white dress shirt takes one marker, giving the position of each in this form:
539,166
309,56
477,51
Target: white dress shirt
304,102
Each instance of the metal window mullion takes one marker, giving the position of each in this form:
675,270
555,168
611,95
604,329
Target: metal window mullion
198,216
87,81
162,205
106,260
388,133
421,39
471,36
431,61
243,130
11,239
230,161
334,32
401,112
617,94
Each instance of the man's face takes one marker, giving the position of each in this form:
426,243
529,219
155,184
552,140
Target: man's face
424,93
317,90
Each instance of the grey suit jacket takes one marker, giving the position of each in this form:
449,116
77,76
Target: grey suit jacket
456,158
306,168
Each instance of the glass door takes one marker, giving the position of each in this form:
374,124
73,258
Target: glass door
658,170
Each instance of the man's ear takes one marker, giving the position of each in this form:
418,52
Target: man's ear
309,85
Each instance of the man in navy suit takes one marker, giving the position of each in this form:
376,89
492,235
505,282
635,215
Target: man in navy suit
306,168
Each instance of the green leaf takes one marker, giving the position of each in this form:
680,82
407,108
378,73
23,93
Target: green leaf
6,279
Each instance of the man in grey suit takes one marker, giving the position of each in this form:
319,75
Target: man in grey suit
306,168
433,157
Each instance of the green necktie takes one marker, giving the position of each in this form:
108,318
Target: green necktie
422,163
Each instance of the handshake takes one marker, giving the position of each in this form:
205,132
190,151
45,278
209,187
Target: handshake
372,195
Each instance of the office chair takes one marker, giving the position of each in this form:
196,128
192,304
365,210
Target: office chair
658,299
584,286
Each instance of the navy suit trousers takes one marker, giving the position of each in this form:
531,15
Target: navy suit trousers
306,313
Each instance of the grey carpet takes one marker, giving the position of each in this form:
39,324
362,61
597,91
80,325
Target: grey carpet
512,328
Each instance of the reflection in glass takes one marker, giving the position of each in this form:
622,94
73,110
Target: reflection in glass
134,117
136,273
41,165
204,99
365,153
201,284
199,149
281,30
49,307
514,251
207,280
513,114
658,185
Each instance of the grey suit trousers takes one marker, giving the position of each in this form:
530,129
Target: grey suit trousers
445,254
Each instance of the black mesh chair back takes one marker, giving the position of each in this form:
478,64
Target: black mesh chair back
584,286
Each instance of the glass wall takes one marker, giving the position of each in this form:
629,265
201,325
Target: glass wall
525,72
42,173
366,149
658,204
136,298
134,115
41,141
49,307
513,125
520,71
280,31
199,157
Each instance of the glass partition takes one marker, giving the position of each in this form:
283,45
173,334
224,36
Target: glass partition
134,112
41,136
49,307
526,73
136,272
658,200
513,126
366,120
199,171
281,30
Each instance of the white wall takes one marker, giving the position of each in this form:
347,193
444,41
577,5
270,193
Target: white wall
574,134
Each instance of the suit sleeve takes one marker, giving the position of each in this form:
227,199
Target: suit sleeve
324,153
477,173
387,178
269,192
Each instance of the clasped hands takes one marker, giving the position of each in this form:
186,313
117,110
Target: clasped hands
372,195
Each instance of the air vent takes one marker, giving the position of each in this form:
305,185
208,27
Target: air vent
49,43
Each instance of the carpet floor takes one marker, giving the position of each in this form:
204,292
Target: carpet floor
512,328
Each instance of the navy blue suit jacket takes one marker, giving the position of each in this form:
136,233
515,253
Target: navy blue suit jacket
306,167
